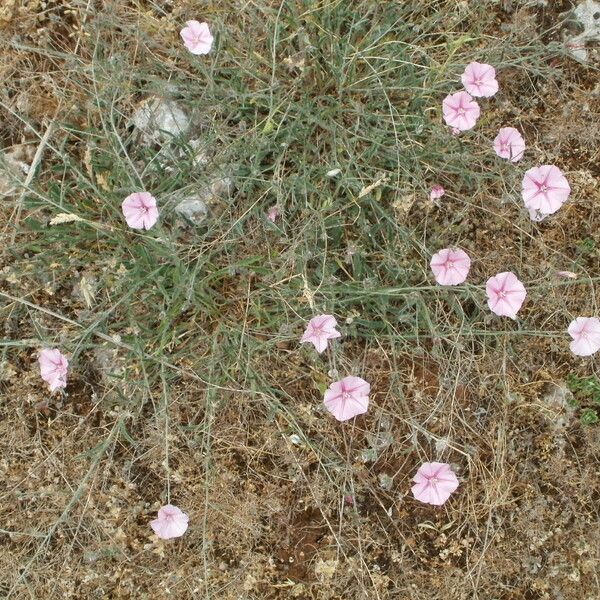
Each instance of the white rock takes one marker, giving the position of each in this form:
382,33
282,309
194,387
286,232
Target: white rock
588,14
11,172
201,156
194,209
160,120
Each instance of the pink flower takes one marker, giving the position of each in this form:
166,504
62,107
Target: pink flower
172,522
273,213
585,332
197,37
455,131
545,189
509,143
140,210
347,398
53,368
434,483
479,80
450,266
505,294
460,111
320,329
437,191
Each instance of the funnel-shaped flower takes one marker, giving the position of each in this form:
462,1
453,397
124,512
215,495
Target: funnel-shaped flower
347,398
434,483
460,111
509,144
172,522
320,329
545,189
479,80
450,266
140,210
197,37
585,332
53,368
505,294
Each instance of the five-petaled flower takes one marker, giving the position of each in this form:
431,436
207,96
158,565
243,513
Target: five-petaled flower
545,189
450,266
460,111
509,144
434,483
479,80
506,294
319,330
53,368
140,210
197,37
585,332
347,398
172,522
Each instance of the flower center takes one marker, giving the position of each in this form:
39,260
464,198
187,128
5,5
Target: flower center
543,187
478,82
433,480
450,264
461,111
502,294
346,396
504,147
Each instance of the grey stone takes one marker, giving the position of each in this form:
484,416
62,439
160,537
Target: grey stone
160,120
193,209
588,14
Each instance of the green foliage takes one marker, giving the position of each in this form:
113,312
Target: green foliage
585,390
589,417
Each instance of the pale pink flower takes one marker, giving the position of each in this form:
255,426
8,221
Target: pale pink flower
450,266
53,368
545,189
506,294
585,332
320,329
437,191
140,210
172,522
479,80
455,131
434,483
273,213
197,37
347,398
509,143
460,111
